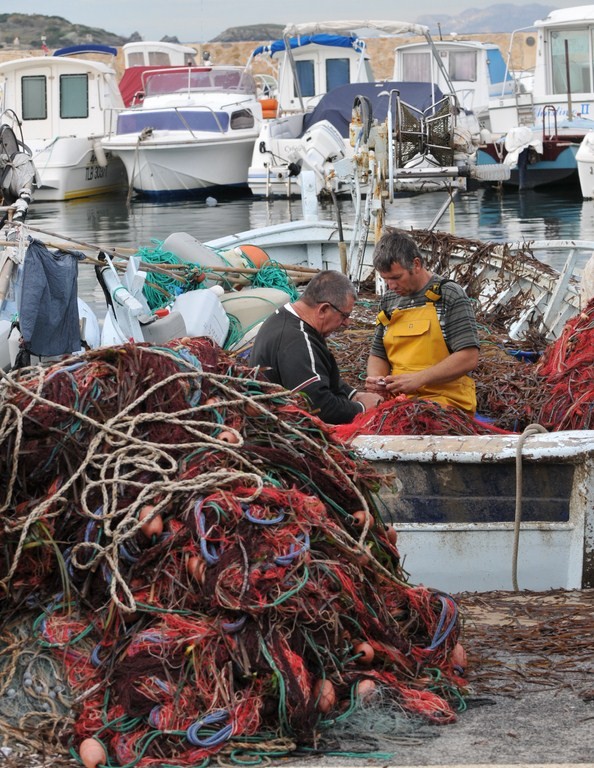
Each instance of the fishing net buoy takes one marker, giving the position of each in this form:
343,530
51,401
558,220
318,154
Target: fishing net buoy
366,688
152,527
365,652
256,255
196,566
226,436
92,753
324,695
361,517
458,657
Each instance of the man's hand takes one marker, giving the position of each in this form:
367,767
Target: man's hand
368,399
376,384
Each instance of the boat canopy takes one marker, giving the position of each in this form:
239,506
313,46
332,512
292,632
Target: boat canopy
339,41
337,105
580,15
333,27
73,50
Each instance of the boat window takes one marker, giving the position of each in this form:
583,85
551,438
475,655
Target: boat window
416,67
577,61
34,97
74,96
159,59
305,78
135,59
243,118
462,65
337,73
227,81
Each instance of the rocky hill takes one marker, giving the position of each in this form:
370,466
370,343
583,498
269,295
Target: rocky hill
23,30
504,17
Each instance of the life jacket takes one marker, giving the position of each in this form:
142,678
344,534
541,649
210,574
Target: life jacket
414,341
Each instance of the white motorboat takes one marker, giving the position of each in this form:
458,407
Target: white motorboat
563,74
61,106
477,71
324,69
552,119
190,132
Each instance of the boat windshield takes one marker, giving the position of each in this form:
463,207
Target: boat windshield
191,79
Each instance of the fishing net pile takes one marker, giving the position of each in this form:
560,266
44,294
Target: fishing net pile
194,569
567,372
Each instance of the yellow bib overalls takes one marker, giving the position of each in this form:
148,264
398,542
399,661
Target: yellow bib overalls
413,341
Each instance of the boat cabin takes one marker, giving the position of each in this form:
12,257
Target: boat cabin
157,54
563,74
477,70
143,56
56,96
314,65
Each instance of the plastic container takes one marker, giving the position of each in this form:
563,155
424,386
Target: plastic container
164,328
203,315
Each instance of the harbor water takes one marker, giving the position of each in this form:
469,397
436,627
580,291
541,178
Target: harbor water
485,214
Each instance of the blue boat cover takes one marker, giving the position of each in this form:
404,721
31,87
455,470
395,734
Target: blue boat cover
338,41
337,105
87,48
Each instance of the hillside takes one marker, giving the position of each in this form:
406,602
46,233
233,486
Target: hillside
22,30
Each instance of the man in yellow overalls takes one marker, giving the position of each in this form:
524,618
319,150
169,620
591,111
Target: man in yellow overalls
426,341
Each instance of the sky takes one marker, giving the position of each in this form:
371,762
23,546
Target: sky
195,21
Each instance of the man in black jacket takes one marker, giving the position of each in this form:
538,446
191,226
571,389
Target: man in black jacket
291,348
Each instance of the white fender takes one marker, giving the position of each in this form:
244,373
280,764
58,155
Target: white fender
99,153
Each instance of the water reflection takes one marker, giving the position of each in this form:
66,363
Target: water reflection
485,214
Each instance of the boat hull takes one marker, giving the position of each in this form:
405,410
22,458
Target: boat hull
585,164
562,169
452,501
172,165
71,168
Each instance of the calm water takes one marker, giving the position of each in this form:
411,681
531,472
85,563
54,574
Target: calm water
484,214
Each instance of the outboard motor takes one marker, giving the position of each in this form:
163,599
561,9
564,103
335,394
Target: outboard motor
17,172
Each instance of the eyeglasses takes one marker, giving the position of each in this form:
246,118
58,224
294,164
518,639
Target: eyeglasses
340,312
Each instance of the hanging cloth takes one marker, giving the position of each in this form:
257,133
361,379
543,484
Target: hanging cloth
48,311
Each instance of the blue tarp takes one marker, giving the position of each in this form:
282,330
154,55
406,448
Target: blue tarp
338,41
337,105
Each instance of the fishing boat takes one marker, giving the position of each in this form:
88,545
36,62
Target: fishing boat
60,107
538,133
190,132
324,69
461,506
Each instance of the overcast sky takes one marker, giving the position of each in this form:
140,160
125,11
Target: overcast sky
200,20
